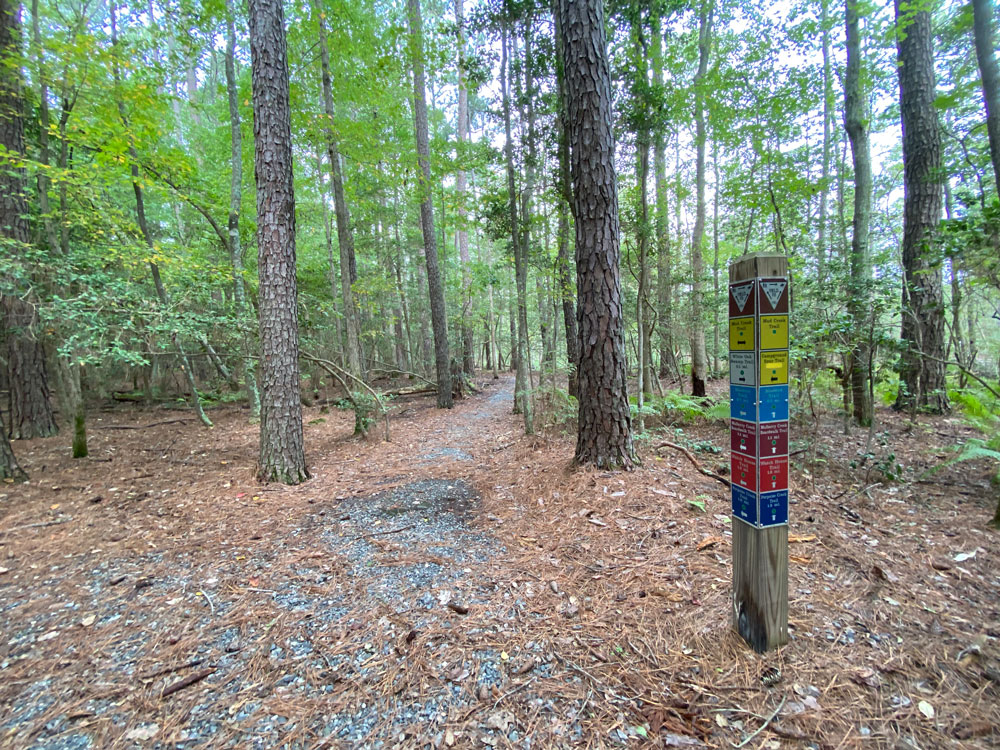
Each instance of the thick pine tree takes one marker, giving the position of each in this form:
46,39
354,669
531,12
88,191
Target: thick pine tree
605,426
282,456
922,369
31,406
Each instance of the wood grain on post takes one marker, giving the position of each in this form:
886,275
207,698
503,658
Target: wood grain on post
760,555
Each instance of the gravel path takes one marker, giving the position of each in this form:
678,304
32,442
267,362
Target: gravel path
343,629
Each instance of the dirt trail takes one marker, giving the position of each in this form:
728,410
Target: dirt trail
315,613
461,587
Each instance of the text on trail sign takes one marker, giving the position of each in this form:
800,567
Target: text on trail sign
741,334
742,368
758,399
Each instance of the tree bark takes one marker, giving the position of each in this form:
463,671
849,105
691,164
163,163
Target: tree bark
664,282
982,25
605,426
522,386
439,317
30,400
243,310
565,198
858,304
699,357
824,191
922,377
282,454
461,188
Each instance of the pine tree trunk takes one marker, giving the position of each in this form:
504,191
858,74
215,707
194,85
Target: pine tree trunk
824,192
982,25
243,312
461,187
519,357
282,453
439,317
644,312
858,303
31,405
605,426
562,253
923,377
699,357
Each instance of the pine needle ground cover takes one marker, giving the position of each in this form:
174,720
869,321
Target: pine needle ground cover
463,586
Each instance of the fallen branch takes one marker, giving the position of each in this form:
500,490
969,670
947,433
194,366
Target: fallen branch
191,679
169,670
340,373
381,533
140,427
763,726
41,525
693,460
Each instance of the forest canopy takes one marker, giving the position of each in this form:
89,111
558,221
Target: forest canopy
434,200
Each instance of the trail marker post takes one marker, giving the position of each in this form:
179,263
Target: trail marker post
759,308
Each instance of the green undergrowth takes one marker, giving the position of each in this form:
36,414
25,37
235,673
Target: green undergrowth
981,410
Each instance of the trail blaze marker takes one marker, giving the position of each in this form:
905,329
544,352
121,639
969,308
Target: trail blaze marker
758,397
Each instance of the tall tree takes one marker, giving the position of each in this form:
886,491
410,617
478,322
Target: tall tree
31,405
922,370
461,187
699,357
664,282
439,315
858,303
519,353
13,225
282,453
565,193
982,24
243,311
605,426
345,232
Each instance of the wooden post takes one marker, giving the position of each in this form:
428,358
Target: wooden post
759,294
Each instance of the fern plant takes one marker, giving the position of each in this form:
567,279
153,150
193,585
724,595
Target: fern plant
986,420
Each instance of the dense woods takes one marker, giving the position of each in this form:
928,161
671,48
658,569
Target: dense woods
436,189
365,374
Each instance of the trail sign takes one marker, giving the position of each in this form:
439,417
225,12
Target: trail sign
759,312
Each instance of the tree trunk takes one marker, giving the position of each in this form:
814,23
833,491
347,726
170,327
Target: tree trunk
345,232
605,426
562,253
243,310
922,377
824,191
9,468
31,405
439,317
716,269
642,308
664,282
858,304
462,233
282,453
982,11
699,357
522,386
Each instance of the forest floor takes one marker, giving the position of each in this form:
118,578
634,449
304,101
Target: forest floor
463,586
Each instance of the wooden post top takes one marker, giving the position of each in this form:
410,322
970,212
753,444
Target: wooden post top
758,265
